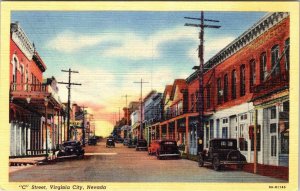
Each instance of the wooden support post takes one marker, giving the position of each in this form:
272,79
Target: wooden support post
187,135
176,133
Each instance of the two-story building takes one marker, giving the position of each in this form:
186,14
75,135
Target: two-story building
33,104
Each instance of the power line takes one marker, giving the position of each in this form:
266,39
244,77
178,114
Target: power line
141,124
200,68
69,97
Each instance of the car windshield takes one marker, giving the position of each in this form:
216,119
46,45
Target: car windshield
224,144
70,144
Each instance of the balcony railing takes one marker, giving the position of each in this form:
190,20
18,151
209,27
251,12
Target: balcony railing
25,87
275,82
272,85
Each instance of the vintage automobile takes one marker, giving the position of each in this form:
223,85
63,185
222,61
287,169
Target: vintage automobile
110,142
131,143
126,141
141,145
70,148
92,141
222,152
164,149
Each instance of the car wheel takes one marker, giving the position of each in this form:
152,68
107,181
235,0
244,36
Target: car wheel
216,163
157,156
240,166
200,161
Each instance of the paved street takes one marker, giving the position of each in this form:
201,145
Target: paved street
122,164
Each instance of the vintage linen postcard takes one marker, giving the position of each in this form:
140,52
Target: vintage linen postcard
149,95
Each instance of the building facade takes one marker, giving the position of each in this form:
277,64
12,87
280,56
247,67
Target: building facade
36,114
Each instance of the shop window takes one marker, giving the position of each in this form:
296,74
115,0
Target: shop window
225,88
273,112
263,67
252,74
273,145
257,139
287,54
242,140
219,89
242,80
273,127
208,96
225,132
284,139
274,60
211,128
233,84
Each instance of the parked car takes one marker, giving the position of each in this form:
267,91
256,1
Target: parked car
70,148
92,141
164,149
141,145
110,142
222,152
119,140
131,143
126,141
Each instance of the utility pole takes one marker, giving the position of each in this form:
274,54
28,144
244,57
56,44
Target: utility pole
200,68
83,125
141,125
127,109
69,97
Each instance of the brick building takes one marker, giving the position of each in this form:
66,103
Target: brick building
36,114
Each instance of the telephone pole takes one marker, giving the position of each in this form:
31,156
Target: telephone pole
126,107
200,69
69,97
141,125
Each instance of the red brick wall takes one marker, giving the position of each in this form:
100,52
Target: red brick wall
29,65
264,43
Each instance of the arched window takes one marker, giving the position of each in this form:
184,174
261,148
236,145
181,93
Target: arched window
233,84
242,80
274,60
208,96
252,74
263,67
225,88
219,89
287,54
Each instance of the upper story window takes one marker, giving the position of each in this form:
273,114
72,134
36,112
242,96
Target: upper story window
252,74
197,101
274,60
219,88
233,84
15,70
263,67
208,96
287,54
225,88
242,80
192,102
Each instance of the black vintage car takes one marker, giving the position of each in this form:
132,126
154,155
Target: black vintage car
132,143
110,142
92,141
70,148
164,149
141,145
222,152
